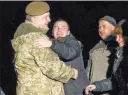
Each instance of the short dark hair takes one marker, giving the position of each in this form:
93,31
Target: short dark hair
60,19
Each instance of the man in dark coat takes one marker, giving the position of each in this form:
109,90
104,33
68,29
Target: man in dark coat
69,49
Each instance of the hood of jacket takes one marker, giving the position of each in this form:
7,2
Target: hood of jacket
24,33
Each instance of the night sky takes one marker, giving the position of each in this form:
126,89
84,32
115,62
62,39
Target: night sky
82,17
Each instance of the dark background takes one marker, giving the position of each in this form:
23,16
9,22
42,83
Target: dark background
82,17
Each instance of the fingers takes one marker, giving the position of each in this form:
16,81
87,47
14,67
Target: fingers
39,43
89,89
42,42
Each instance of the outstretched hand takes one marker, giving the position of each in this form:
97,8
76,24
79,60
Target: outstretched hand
89,89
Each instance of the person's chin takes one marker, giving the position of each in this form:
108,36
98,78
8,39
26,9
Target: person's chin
46,28
103,37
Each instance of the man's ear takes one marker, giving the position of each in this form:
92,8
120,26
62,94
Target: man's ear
33,19
113,27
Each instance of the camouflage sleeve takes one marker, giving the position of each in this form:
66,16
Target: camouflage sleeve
50,65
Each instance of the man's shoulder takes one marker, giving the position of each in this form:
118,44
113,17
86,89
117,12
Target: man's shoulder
75,41
99,45
70,38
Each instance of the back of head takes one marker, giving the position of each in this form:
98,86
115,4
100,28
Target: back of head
38,14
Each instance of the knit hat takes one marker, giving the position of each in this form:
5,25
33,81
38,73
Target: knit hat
110,20
37,8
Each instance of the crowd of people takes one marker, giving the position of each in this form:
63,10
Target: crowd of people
55,66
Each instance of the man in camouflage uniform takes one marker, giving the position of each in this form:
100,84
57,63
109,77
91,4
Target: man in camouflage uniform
39,71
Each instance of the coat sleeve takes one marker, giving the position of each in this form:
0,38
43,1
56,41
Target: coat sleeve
68,50
103,85
51,66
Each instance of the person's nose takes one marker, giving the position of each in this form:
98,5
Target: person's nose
49,19
59,30
101,30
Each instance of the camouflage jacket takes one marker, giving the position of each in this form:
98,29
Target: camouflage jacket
39,71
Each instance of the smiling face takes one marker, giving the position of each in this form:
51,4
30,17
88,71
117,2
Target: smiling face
105,29
60,29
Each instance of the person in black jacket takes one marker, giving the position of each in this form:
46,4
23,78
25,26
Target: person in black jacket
69,49
118,82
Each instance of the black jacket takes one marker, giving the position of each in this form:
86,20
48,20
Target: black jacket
118,82
69,50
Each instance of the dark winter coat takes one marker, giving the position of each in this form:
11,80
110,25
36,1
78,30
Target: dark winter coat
69,50
118,82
